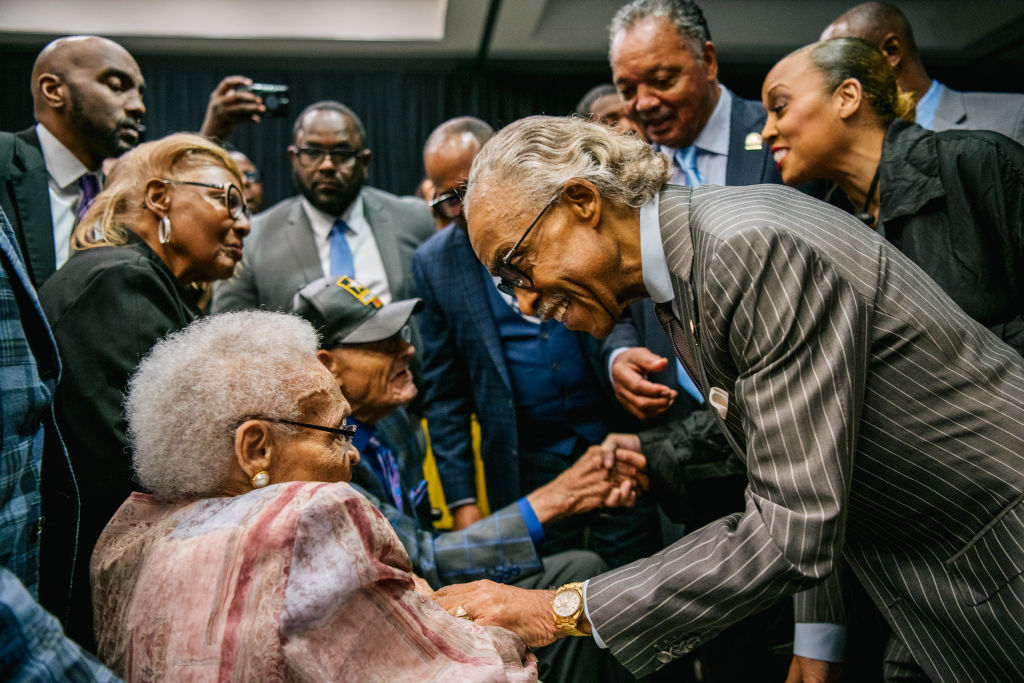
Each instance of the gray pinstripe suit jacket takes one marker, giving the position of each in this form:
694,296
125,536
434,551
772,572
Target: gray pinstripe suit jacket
881,428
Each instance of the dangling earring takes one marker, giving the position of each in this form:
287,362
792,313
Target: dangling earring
261,479
163,232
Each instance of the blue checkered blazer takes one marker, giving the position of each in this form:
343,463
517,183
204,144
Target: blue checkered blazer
497,547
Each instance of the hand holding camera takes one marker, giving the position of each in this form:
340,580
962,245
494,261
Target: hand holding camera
237,99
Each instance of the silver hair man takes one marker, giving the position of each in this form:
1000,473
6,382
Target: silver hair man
538,155
196,386
685,15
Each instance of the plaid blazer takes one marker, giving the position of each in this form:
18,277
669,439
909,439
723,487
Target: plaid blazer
497,547
34,646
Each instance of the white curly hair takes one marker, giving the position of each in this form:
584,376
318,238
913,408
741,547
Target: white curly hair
194,387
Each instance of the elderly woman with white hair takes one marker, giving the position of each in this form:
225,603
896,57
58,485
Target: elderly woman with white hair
253,559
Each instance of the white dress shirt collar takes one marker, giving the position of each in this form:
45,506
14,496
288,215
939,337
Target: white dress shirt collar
652,254
63,166
322,222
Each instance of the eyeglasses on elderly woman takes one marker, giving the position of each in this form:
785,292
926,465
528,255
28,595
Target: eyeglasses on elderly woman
234,200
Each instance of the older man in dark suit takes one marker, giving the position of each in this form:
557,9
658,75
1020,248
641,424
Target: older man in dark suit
665,67
881,428
335,226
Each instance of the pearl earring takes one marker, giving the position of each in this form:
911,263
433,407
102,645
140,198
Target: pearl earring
261,479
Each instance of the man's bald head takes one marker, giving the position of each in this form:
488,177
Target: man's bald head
872,21
447,157
886,26
87,91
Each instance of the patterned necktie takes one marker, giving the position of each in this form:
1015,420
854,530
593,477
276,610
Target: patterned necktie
90,185
686,159
389,467
341,253
679,343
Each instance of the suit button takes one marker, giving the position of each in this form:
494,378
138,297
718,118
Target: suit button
665,656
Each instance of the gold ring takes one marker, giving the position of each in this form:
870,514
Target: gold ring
461,613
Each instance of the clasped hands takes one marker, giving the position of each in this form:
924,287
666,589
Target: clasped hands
611,474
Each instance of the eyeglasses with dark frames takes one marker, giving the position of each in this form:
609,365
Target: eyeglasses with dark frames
340,156
346,432
512,278
234,200
449,204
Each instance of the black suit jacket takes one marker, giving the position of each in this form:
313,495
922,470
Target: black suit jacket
25,197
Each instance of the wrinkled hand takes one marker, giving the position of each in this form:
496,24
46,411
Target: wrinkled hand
465,515
527,613
642,398
229,107
805,670
591,482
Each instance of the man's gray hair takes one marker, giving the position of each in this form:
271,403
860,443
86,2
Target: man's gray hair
685,15
194,387
535,157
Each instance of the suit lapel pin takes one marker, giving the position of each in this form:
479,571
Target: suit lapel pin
752,142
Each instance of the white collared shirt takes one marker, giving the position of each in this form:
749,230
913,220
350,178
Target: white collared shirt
712,145
365,255
63,170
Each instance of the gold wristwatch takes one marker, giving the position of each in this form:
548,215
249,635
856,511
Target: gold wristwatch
567,606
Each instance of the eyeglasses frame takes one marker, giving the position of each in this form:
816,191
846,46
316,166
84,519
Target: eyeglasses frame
226,187
322,153
506,283
347,432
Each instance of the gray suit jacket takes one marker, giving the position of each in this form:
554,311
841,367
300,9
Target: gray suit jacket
880,426
280,256
998,111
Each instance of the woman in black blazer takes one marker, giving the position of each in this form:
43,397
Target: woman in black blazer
172,216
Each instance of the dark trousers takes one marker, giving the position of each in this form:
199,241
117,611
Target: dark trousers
619,535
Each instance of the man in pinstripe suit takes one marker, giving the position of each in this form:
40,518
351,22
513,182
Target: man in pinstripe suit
882,429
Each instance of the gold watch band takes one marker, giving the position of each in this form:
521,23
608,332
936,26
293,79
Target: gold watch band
568,625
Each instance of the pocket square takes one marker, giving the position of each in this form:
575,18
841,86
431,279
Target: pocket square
719,400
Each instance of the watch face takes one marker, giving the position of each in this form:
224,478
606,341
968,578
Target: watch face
566,602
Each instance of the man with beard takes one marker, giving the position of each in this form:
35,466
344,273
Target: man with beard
87,102
337,226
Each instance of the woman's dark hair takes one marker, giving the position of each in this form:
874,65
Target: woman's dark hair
842,58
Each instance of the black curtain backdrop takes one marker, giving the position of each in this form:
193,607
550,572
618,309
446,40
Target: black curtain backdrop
399,105
398,102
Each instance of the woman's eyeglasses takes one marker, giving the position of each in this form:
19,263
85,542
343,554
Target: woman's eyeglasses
234,200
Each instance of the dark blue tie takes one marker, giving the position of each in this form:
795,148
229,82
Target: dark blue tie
341,253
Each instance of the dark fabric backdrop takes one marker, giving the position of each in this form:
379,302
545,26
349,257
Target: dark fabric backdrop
399,103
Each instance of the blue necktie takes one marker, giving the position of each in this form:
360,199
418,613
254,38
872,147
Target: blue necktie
686,159
389,468
341,253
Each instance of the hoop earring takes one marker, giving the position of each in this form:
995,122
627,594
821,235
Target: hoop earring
163,232
260,479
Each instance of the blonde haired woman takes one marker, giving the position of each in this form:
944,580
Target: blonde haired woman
172,214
